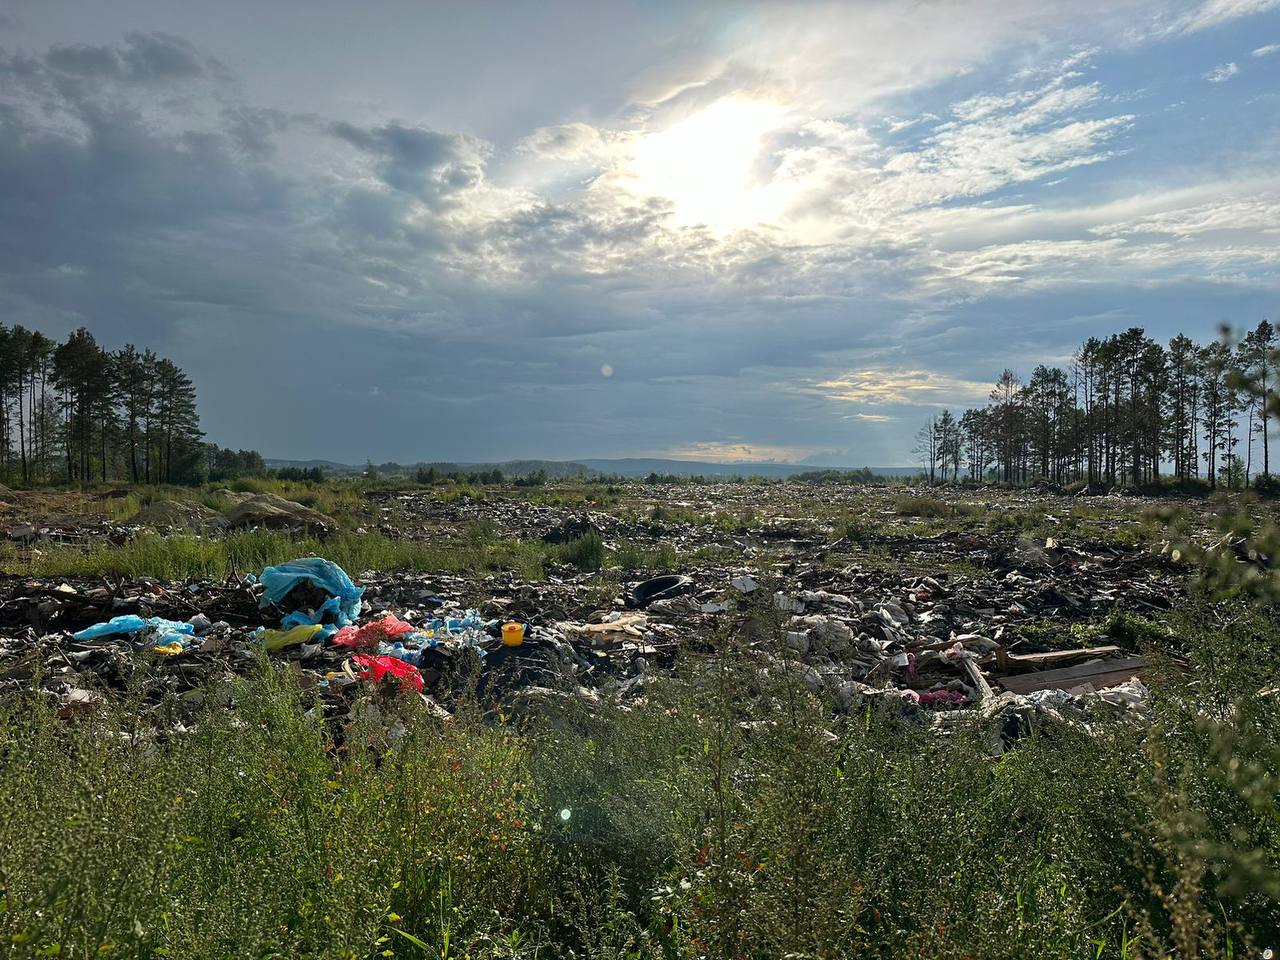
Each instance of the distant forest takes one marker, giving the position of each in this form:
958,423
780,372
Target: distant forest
73,412
1128,411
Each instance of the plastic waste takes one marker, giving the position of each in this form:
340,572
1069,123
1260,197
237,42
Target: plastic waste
273,640
376,668
513,634
932,697
160,631
371,634
401,652
169,649
339,610
469,630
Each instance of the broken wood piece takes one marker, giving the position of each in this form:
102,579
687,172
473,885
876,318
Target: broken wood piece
1060,656
975,676
1104,673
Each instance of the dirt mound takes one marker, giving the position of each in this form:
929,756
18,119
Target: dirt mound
268,510
231,496
167,515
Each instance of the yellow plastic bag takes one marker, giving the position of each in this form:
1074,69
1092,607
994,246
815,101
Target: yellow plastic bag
279,639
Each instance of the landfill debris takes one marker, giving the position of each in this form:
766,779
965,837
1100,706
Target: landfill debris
375,668
371,634
1100,673
154,630
287,585
963,623
273,640
659,588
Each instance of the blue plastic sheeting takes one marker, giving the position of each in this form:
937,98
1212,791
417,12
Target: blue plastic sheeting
342,607
400,652
166,631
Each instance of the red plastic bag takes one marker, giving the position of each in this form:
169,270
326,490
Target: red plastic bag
376,668
371,634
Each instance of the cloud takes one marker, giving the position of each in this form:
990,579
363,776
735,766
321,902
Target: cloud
1267,50
151,58
734,451
918,387
567,141
480,285
1214,13
1222,72
1259,213
255,129
430,165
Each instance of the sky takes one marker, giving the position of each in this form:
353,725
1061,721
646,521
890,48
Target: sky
728,231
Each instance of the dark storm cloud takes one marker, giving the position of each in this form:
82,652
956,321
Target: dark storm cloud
429,165
255,129
142,58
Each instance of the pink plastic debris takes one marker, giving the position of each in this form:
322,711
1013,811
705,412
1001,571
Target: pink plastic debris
931,697
376,668
371,634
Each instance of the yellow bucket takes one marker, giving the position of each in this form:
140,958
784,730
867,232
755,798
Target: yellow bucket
513,634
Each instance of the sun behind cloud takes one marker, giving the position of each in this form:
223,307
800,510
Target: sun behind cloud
705,164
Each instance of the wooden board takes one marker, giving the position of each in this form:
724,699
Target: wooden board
1061,656
1105,673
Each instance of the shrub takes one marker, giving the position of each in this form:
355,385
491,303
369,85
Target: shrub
585,552
912,505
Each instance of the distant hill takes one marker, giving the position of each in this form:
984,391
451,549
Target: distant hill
621,467
554,469
642,467
332,466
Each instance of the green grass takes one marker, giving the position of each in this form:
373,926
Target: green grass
188,557
586,552
1125,630
728,814
183,558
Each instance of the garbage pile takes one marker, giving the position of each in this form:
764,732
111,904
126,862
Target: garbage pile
931,648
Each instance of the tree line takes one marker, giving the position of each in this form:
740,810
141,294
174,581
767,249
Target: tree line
73,412
1127,411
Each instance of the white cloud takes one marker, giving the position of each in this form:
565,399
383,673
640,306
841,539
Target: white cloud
735,451
1222,72
567,141
1259,213
1267,50
919,387
1213,13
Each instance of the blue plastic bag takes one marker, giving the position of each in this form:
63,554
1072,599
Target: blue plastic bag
165,631
343,605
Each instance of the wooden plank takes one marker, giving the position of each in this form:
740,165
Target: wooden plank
1105,673
1062,656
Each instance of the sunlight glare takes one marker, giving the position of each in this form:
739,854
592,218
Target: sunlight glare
705,164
